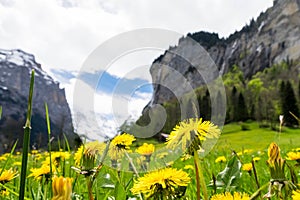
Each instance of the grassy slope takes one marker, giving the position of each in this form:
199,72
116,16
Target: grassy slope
256,138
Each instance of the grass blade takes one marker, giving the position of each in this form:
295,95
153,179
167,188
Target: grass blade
26,140
11,152
49,141
67,143
0,112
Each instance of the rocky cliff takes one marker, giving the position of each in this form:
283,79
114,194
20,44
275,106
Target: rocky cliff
273,37
15,69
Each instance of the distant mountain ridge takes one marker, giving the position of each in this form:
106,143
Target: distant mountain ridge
270,39
15,69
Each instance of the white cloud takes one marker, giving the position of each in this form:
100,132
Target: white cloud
135,64
62,37
108,112
61,34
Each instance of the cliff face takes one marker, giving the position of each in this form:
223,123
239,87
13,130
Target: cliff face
272,38
15,69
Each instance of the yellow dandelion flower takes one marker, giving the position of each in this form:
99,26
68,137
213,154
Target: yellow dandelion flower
187,167
229,196
245,151
62,188
43,171
119,144
38,156
191,133
8,175
163,182
91,148
123,141
293,156
297,149
4,193
78,155
57,157
220,159
17,163
18,153
2,158
146,149
185,157
255,159
247,167
34,151
60,155
162,155
296,195
6,155
248,151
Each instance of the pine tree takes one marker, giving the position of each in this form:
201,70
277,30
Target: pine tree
288,103
234,102
241,109
282,91
205,108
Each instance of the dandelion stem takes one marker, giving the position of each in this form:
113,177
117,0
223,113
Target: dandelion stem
134,169
255,174
131,163
90,188
199,177
255,194
26,140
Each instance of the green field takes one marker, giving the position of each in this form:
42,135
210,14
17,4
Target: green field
233,137
116,182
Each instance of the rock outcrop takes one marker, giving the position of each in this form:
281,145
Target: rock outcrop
15,70
273,37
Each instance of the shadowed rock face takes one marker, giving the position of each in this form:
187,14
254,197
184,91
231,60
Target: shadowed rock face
273,37
15,69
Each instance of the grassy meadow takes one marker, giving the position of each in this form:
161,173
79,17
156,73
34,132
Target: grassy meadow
247,162
114,183
256,138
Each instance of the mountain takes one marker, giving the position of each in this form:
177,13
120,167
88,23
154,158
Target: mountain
15,70
270,39
253,62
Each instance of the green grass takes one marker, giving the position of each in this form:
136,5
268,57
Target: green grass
118,183
256,138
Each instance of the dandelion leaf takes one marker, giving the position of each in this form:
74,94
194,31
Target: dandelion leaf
228,179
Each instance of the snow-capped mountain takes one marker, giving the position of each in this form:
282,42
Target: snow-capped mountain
15,69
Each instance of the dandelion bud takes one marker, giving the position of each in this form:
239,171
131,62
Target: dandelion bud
276,163
62,188
273,153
